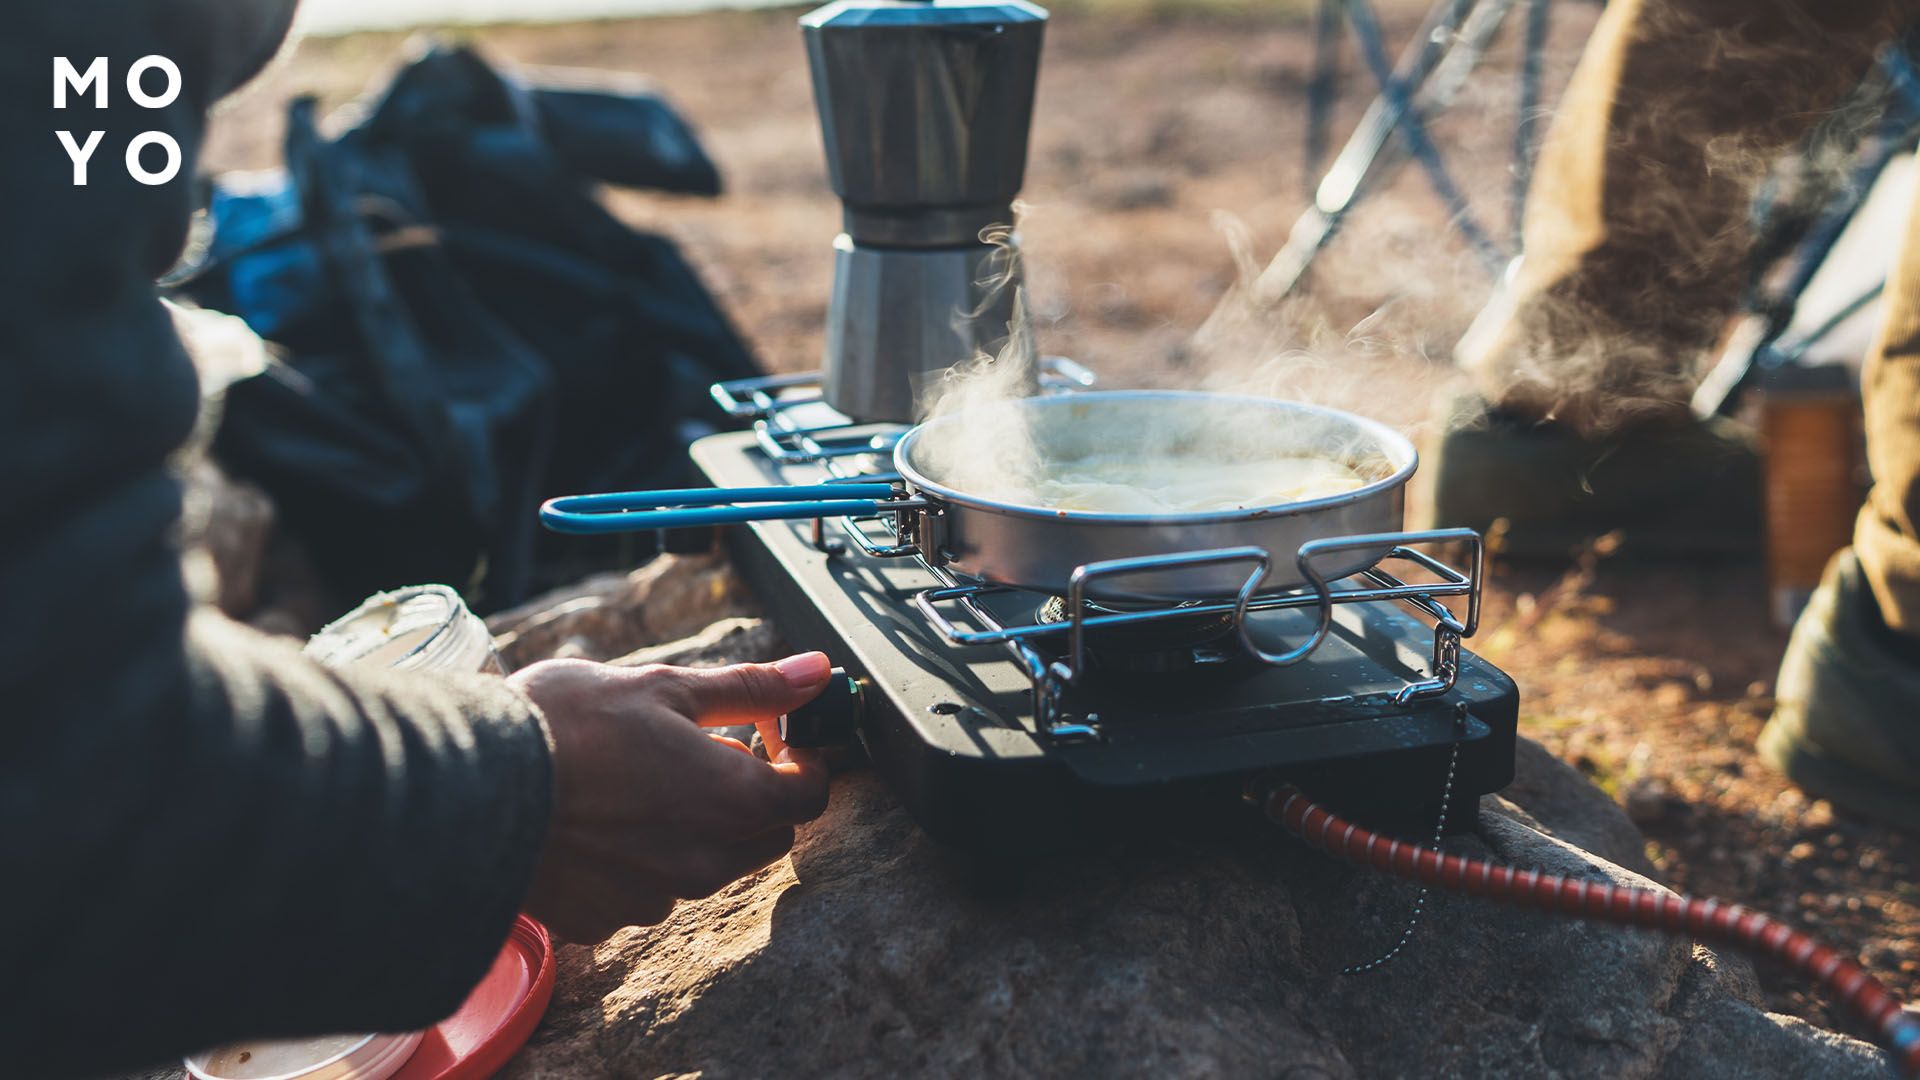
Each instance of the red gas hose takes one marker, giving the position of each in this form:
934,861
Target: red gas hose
1708,920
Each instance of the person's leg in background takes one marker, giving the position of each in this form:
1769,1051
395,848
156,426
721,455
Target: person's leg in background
1636,238
1846,725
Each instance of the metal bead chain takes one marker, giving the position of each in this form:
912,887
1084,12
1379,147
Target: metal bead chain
1420,898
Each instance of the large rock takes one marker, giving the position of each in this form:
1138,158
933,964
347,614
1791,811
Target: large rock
611,615
227,526
1553,797
236,558
1211,948
729,641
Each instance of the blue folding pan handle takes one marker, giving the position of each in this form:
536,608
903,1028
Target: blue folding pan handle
639,511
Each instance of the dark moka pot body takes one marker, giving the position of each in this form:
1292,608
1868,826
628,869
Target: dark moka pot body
924,111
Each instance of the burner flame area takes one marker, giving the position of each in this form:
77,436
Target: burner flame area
1205,640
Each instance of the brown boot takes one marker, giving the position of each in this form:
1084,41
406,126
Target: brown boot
1846,722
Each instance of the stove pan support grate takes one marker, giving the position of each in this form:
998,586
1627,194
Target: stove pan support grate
1053,678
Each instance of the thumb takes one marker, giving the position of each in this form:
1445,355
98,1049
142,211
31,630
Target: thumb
750,693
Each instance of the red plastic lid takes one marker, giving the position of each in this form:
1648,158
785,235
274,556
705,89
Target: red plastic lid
497,1018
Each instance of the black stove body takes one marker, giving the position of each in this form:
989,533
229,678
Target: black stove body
1000,738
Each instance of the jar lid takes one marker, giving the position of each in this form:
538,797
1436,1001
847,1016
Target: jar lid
498,1016
323,1057
474,1043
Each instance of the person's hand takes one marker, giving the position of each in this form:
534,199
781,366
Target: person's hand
647,808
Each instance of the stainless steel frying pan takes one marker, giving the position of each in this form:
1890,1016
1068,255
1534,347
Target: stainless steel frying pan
1038,547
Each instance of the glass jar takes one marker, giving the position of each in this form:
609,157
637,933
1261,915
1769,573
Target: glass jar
418,628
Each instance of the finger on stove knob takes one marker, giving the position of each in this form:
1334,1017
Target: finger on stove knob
831,719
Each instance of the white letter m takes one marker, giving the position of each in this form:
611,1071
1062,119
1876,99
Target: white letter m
65,76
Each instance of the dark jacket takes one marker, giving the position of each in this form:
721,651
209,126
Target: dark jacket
202,835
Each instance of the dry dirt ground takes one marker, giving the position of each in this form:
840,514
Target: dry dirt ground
1162,134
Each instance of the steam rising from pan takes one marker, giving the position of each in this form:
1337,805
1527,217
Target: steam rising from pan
1208,455
1166,454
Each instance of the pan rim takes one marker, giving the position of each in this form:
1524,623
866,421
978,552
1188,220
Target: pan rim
1392,441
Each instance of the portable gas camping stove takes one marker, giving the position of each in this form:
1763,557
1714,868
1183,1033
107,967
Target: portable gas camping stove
1008,720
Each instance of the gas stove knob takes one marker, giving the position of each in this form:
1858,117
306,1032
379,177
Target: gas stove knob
832,719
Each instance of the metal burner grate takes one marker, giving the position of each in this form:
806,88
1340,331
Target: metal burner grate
794,426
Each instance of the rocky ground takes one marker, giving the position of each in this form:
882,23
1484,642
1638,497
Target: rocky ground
1167,140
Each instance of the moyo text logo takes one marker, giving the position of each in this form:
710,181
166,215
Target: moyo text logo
70,80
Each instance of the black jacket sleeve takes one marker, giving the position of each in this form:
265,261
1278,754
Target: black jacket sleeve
202,835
